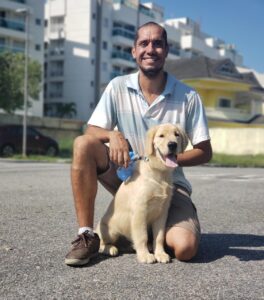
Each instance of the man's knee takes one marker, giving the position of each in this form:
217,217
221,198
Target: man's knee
185,252
84,144
182,243
88,150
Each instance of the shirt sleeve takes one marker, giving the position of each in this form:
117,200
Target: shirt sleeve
196,124
104,115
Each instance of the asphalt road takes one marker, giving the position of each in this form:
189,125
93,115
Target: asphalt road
37,224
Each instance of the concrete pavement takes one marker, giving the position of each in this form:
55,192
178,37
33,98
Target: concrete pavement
37,224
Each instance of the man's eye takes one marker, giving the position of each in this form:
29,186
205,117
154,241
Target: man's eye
143,44
158,44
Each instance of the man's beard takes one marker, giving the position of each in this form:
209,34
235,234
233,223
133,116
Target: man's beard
151,73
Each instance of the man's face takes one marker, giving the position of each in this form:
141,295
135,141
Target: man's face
150,50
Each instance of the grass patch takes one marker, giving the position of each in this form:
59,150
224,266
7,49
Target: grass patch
238,160
218,159
65,146
40,158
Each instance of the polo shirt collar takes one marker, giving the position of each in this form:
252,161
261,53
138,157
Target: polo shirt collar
132,82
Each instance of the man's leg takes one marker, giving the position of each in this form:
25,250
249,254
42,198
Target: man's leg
90,156
183,228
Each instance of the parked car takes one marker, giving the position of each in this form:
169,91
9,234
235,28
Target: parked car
11,137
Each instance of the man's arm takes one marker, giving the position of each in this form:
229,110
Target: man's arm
118,146
200,154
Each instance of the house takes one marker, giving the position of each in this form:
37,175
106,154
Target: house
229,96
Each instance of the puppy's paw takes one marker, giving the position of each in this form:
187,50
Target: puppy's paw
146,258
108,250
162,257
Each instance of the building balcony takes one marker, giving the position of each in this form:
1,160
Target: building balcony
56,51
19,1
56,35
123,58
4,48
221,113
146,11
122,32
123,37
198,46
13,25
53,95
54,54
57,73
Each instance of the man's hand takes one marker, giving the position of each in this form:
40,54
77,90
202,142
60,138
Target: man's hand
119,149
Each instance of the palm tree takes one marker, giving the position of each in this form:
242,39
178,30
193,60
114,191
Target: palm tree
66,110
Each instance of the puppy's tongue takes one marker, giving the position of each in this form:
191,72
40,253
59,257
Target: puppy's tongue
170,161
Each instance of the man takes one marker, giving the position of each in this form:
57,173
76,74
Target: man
134,103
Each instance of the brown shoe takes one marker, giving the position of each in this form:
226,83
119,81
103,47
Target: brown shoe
84,247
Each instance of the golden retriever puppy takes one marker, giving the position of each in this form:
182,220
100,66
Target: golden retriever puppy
142,201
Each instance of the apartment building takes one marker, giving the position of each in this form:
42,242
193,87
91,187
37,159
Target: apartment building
89,42
14,35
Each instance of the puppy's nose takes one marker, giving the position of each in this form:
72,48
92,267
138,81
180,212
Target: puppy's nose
172,146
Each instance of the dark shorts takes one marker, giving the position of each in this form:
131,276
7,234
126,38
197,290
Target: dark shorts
182,212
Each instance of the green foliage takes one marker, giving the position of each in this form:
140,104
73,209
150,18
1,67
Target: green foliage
66,146
66,110
12,66
238,160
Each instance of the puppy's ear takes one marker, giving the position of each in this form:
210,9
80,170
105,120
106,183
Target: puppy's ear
183,140
149,146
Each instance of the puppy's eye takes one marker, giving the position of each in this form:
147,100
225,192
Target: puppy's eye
176,133
161,135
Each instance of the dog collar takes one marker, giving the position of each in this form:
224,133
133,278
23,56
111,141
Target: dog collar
144,158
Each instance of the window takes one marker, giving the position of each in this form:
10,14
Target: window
224,103
38,21
37,47
104,45
227,68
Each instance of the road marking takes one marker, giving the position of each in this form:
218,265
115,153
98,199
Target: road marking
228,177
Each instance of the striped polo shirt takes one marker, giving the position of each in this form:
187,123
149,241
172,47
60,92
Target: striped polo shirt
123,105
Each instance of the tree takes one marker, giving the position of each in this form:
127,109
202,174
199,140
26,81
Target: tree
66,110
12,80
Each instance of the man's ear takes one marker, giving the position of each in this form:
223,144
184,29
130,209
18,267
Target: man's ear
133,52
149,147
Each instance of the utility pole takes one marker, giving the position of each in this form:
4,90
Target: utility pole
25,12
99,8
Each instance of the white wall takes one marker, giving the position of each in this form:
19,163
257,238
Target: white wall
237,141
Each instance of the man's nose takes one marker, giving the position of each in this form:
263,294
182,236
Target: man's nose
150,48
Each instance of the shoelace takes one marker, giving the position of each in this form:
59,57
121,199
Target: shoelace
82,237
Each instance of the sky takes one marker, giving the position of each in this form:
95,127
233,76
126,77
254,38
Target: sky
239,22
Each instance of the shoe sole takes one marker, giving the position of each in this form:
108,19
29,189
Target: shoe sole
79,262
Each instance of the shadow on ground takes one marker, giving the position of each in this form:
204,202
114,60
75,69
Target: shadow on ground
217,245
213,247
